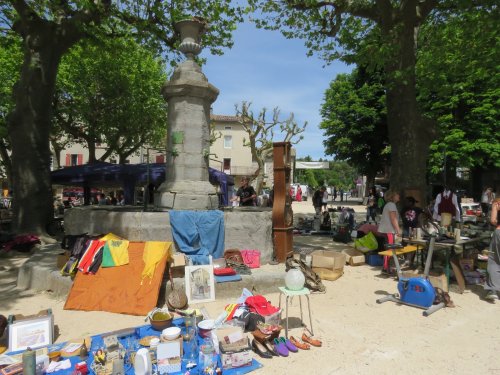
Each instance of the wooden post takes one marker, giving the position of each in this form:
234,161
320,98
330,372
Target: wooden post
282,202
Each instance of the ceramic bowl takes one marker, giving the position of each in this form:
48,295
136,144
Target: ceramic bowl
159,321
171,333
205,327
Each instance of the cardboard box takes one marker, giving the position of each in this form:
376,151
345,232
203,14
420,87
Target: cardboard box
169,356
235,359
354,257
178,260
328,274
229,335
331,260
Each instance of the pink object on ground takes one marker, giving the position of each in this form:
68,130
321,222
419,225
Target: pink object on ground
251,258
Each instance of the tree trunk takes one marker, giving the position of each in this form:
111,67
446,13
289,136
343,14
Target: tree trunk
410,134
29,127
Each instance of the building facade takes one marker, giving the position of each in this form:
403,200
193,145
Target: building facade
227,153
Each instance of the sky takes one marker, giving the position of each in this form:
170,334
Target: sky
268,70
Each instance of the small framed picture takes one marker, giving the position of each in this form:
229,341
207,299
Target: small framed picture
31,333
200,284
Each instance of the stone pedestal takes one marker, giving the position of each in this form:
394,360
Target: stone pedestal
189,96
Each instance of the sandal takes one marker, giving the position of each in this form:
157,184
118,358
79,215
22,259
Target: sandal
310,340
298,344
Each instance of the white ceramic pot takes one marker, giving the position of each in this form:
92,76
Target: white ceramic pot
294,279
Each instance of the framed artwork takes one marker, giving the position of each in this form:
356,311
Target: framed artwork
200,284
31,333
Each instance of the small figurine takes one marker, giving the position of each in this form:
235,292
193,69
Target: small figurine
100,356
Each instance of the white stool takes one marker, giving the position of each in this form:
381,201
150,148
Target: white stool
292,293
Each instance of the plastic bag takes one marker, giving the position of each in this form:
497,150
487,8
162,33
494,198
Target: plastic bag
366,243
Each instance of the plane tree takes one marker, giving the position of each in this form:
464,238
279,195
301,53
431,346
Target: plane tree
459,85
48,29
354,120
109,93
379,34
262,131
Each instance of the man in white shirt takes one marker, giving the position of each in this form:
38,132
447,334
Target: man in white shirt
446,202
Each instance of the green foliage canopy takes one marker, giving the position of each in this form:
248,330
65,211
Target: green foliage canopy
355,123
459,85
109,92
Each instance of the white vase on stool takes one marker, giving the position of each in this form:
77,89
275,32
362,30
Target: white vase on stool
294,279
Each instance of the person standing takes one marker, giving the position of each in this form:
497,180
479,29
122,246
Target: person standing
341,192
492,284
389,223
371,207
324,201
246,193
298,195
334,193
486,200
317,199
446,202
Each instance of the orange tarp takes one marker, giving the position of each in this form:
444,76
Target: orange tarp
118,289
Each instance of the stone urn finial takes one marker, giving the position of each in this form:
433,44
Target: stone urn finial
190,31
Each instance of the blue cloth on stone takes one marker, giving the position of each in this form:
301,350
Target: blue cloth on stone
198,234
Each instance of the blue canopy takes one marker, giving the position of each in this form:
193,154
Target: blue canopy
128,176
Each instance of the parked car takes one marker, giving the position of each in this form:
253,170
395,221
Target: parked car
471,211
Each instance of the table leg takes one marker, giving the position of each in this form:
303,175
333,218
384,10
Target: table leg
301,316
310,317
286,328
447,266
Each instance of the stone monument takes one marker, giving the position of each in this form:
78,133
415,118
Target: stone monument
189,96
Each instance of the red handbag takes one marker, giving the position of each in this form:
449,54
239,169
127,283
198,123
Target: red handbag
228,271
251,258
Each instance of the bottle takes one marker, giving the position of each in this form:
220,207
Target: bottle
29,362
84,353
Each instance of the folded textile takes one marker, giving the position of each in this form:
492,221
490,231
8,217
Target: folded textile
226,271
107,259
56,366
198,234
260,305
119,251
154,251
92,258
225,279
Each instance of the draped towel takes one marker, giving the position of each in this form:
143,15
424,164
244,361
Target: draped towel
154,252
198,234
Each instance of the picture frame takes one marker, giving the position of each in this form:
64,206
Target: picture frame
31,333
200,283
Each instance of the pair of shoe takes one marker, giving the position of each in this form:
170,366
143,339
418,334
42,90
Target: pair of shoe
311,341
263,349
491,296
278,347
284,346
299,344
